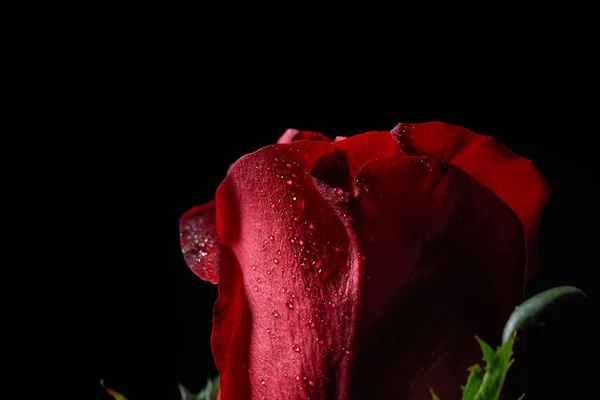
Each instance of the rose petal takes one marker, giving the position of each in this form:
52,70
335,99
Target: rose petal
291,135
514,179
442,258
288,310
340,167
199,242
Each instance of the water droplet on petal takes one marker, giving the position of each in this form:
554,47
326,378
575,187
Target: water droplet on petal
289,305
271,237
276,314
262,382
275,260
338,191
296,348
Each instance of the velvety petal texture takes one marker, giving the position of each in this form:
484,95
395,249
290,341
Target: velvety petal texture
514,179
362,268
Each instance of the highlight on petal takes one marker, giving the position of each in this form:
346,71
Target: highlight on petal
513,179
291,135
290,257
442,258
199,242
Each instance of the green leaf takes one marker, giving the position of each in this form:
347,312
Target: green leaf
535,309
488,385
209,392
496,368
473,382
433,395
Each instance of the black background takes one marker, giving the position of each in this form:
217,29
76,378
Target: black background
130,312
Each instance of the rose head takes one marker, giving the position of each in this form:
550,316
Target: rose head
362,268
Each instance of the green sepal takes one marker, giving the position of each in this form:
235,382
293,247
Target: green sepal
473,382
209,392
497,364
488,385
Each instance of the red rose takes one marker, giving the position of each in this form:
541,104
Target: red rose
362,268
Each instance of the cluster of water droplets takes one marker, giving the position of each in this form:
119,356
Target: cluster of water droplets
199,244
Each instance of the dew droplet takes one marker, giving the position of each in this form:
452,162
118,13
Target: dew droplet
268,330
313,324
275,260
271,237
289,182
262,382
338,191
268,272
256,288
282,290
296,348
258,280
289,305
276,314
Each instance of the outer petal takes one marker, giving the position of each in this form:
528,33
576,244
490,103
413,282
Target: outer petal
515,180
442,258
199,242
286,334
291,135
